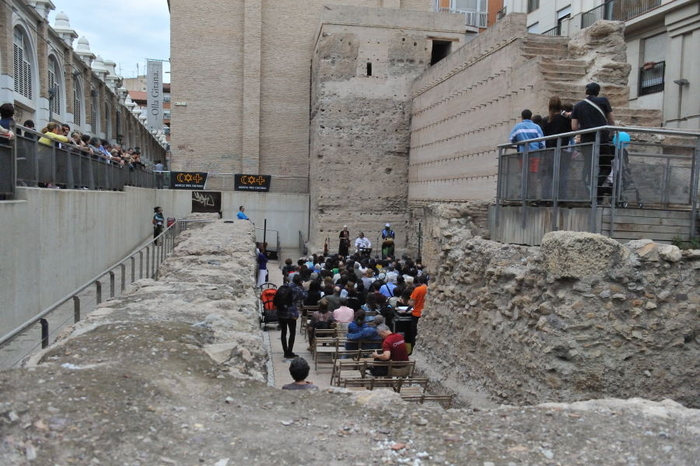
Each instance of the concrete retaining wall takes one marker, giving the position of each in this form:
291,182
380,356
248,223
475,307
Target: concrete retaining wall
56,240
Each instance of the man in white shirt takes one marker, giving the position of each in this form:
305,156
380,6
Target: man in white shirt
363,244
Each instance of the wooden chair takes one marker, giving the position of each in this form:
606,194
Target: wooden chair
305,314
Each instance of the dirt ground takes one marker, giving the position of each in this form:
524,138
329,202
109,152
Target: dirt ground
174,373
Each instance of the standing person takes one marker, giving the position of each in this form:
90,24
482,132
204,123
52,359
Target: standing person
7,111
592,112
262,265
159,174
388,236
288,300
158,221
241,214
344,241
556,123
523,131
417,302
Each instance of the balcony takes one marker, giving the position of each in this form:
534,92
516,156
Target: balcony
618,10
472,18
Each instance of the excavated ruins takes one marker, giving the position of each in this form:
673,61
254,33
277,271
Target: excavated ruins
174,372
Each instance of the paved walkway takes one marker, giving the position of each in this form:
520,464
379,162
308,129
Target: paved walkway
280,365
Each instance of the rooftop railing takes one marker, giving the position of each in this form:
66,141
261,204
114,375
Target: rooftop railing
617,10
658,169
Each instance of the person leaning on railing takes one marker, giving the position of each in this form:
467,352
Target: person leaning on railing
52,133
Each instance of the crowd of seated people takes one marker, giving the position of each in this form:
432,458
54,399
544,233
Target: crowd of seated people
355,294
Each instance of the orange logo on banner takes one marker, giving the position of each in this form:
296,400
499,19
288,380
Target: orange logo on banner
252,179
189,178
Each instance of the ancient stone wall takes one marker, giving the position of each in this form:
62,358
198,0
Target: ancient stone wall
364,63
580,317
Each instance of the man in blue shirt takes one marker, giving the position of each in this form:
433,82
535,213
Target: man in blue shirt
525,130
241,214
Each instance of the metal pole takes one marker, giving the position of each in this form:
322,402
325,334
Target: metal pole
98,292
122,267
695,175
44,332
111,284
523,186
76,308
140,264
264,232
554,185
148,261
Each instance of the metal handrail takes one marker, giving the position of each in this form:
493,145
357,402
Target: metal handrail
35,163
608,11
689,157
571,134
159,253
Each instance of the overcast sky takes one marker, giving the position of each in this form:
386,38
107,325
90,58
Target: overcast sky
124,31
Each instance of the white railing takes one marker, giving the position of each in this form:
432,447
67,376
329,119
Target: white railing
473,18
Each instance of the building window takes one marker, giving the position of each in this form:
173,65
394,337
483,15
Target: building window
534,28
55,90
23,68
77,102
533,5
651,77
94,111
651,73
441,49
108,122
166,98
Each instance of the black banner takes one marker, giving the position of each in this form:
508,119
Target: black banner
206,201
252,182
188,180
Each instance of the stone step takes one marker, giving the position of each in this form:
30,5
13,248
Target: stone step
645,117
533,52
617,95
562,74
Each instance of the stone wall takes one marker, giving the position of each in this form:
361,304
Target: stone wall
364,63
580,317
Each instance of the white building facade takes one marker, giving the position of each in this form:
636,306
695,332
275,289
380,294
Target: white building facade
663,39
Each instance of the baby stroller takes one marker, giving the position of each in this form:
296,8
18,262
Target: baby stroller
266,305
622,172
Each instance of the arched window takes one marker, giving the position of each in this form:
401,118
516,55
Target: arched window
55,88
77,101
108,122
94,111
23,64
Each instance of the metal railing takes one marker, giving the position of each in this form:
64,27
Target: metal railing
658,169
473,18
143,263
617,10
36,164
651,77
555,31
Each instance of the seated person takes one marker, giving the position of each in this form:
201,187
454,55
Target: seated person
314,295
321,319
299,370
393,349
360,329
344,314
